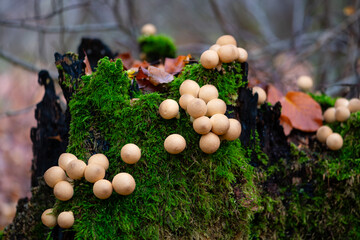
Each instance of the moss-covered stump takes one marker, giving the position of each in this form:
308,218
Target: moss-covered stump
185,196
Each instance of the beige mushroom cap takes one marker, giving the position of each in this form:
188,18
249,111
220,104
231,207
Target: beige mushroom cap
322,133
189,87
261,94
123,183
65,158
63,191
209,59
48,218
75,169
341,102
234,130
130,153
220,124
228,53
305,83
99,159
226,39
196,108
243,55
175,144
66,219
334,141
215,106
209,143
208,92
169,109
342,114
103,189
94,172
148,29
184,100
354,105
54,175
202,125
329,115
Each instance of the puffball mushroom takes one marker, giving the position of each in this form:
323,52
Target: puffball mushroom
228,53
341,102
209,59
148,29
209,143
261,94
342,114
334,141
234,130
94,172
65,158
196,108
184,100
305,83
322,133
63,191
243,55
48,218
99,159
123,183
75,169
329,115
102,189
130,153
54,175
208,92
215,106
226,39
220,124
189,87
215,47
354,105
174,144
66,219
202,125
169,109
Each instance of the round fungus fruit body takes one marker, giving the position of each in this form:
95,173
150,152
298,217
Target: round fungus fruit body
148,29
220,124
174,144
99,159
322,133
305,83
184,100
228,53
215,47
261,94
226,39
209,59
189,87
66,219
65,158
215,106
75,169
63,191
202,125
208,92
329,115
196,108
130,153
54,175
234,130
102,189
123,183
169,109
334,141
209,143
342,114
354,105
243,55
341,102
48,218
94,172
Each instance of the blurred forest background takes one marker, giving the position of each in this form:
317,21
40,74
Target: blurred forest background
284,38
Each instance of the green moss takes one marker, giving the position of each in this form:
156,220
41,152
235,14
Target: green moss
184,196
157,47
324,100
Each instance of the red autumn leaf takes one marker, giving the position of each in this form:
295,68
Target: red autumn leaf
303,112
175,65
137,64
286,124
142,79
88,70
273,94
158,76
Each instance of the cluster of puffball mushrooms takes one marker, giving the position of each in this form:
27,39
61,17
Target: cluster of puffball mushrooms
340,112
71,168
207,112
224,51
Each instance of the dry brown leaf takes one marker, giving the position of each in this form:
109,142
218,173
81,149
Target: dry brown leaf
303,112
175,65
286,124
158,76
126,59
88,70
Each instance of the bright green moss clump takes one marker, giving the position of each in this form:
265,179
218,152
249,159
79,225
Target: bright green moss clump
186,196
156,47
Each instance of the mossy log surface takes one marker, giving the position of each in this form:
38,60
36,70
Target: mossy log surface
260,187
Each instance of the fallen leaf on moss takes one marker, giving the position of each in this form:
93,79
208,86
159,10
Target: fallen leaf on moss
175,65
126,59
302,111
142,79
158,76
